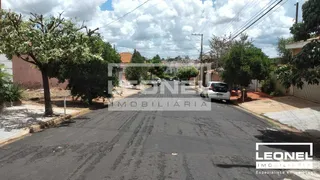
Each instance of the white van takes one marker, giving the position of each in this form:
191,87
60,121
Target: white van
216,90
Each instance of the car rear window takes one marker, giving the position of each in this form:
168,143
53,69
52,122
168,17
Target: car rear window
220,87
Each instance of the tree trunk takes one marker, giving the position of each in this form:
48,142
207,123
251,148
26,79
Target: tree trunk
46,89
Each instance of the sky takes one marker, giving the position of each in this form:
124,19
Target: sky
164,27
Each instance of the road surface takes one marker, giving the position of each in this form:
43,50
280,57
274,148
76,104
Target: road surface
142,145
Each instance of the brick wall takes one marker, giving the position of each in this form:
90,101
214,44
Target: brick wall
29,76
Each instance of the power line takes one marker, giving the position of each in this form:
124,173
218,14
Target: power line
276,9
267,6
240,11
127,13
256,20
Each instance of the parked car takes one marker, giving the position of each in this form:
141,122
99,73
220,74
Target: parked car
216,90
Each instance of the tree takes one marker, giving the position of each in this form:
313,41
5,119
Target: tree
156,59
285,54
245,62
219,46
89,79
158,69
4,80
305,66
41,41
188,72
135,73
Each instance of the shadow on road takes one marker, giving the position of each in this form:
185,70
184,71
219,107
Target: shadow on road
269,135
66,123
235,166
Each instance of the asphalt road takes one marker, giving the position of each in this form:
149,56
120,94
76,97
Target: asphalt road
142,145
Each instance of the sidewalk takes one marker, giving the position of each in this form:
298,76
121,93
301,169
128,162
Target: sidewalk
17,121
295,112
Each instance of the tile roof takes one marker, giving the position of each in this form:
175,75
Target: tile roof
125,57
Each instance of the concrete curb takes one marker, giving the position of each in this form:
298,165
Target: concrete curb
268,120
53,123
42,125
14,138
56,121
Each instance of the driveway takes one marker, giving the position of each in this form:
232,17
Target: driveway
134,145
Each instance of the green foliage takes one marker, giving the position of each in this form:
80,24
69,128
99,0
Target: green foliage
13,93
4,81
137,58
276,93
185,73
89,79
245,62
304,67
268,85
285,54
219,47
156,59
311,21
9,92
44,42
135,74
299,32
158,69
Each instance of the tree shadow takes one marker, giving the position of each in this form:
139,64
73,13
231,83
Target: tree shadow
19,118
269,135
65,123
76,104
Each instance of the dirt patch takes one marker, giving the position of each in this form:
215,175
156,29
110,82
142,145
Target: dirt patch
34,94
251,96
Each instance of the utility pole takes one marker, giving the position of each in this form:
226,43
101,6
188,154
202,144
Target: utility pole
201,60
297,11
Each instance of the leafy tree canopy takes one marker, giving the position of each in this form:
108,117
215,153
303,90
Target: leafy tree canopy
43,40
305,66
185,73
89,79
311,21
245,62
135,74
285,54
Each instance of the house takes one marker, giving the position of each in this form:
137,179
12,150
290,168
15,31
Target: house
308,92
126,58
26,74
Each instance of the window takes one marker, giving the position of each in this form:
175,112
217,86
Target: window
219,87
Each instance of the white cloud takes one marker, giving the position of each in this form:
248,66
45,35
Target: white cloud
165,26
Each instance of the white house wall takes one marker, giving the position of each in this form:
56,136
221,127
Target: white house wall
308,92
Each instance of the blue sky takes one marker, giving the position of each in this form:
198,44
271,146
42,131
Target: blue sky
107,6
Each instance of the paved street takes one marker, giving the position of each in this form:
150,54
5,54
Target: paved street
142,145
